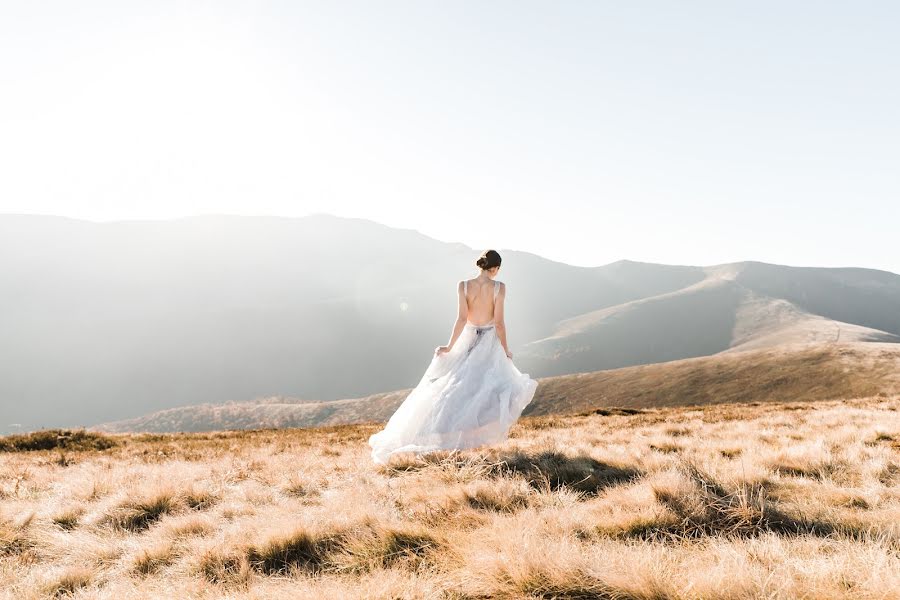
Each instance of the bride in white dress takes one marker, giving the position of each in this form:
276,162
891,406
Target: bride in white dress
471,393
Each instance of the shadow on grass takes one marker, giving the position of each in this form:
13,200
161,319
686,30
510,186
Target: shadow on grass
360,548
548,470
552,470
743,512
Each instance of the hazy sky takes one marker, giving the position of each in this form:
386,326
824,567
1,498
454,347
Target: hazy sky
675,132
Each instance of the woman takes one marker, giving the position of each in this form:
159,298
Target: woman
471,393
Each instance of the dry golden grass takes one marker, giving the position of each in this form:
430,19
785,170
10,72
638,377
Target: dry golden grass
760,500
797,372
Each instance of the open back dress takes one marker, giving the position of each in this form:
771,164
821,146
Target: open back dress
468,397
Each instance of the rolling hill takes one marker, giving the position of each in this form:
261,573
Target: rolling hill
728,310
110,321
799,372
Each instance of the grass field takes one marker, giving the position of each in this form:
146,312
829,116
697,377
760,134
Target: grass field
760,500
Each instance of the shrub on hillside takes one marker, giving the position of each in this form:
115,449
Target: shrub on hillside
52,439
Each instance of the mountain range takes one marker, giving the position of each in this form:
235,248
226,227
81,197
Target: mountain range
111,321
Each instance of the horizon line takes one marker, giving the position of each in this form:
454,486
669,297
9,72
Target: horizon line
380,224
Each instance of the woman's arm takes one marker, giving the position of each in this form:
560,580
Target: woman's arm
499,323
462,315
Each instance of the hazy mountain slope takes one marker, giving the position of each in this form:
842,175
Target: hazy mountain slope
202,309
694,321
719,313
540,293
102,321
266,413
787,373
865,297
763,322
108,320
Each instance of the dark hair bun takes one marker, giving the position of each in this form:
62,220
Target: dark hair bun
488,260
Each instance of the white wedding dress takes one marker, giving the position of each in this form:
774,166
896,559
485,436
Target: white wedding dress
468,397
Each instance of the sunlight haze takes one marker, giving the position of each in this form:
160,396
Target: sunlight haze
586,132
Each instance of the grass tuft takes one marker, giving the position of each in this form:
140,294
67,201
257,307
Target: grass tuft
500,496
139,514
297,488
299,549
709,509
70,582
225,568
199,499
13,538
68,519
152,559
373,545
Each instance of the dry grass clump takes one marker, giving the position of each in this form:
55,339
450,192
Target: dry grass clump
707,508
373,545
730,452
452,462
136,514
537,580
69,582
13,536
300,488
219,566
575,507
360,547
515,562
68,519
507,495
300,549
188,526
851,499
199,499
151,559
819,467
666,447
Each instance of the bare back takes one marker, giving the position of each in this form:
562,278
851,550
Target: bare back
481,299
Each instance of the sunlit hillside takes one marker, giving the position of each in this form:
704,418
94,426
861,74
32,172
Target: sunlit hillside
756,500
787,372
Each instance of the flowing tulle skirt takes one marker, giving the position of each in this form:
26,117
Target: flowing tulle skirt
468,397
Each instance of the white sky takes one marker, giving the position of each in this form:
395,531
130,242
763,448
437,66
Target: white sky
689,132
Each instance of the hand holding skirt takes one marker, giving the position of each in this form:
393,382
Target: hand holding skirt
468,397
